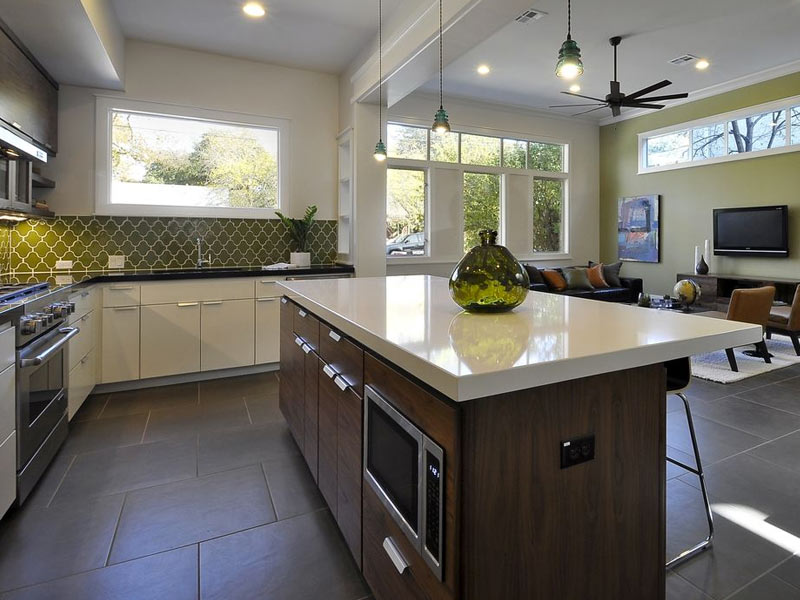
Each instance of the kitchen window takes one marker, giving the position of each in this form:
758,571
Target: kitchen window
163,160
406,192
481,206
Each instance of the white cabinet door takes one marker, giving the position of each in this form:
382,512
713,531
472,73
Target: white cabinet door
120,347
227,334
170,339
81,383
268,330
79,346
8,405
8,472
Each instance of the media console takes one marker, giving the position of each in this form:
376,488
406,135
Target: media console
716,289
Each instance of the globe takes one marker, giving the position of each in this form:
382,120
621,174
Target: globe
687,291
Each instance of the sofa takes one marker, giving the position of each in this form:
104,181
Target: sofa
628,292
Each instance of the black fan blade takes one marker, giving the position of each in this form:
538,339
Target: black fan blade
667,97
582,96
642,105
648,89
575,105
615,110
588,111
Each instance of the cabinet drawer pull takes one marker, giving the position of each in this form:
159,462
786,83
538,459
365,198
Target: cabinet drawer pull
302,313
284,301
329,371
334,336
126,308
298,341
212,303
306,348
184,304
265,281
341,383
86,316
395,556
266,299
121,288
84,294
84,359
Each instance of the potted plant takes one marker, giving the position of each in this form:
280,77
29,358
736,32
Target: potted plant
298,230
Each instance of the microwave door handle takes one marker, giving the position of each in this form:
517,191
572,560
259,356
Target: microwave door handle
70,332
399,562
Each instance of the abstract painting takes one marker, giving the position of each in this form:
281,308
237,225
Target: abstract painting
638,229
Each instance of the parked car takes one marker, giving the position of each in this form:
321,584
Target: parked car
413,243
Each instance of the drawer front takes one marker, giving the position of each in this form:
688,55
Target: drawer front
84,303
310,410
81,383
7,403
328,427
306,326
7,356
349,472
8,472
343,356
80,345
267,288
171,292
121,294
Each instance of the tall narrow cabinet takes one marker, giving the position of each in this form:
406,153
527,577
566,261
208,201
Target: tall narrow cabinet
345,224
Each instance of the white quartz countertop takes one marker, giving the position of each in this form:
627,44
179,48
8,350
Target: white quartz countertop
412,322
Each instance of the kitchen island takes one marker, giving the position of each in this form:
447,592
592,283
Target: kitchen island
549,421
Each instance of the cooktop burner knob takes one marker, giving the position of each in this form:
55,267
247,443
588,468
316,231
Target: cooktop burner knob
28,325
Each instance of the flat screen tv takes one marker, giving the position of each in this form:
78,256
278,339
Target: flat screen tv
752,231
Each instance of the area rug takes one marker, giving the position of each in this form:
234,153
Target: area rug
714,365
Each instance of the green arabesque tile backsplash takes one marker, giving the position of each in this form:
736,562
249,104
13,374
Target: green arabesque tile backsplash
34,246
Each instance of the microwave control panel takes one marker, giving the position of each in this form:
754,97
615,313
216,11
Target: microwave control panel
433,507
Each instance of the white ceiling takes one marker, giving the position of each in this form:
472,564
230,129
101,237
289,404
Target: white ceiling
322,35
739,37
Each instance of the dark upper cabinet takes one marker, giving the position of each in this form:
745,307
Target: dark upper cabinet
28,97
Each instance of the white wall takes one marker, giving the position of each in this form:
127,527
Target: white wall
170,75
584,204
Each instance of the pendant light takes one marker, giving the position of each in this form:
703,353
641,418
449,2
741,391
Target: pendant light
440,122
380,147
569,64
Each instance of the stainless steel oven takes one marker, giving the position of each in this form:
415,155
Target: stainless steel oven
405,468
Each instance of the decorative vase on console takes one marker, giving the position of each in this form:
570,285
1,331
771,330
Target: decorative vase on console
489,279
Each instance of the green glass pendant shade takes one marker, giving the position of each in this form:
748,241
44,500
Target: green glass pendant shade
380,151
489,278
569,64
441,124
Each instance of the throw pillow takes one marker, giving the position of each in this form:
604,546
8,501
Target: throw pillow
610,273
577,279
554,280
595,274
533,274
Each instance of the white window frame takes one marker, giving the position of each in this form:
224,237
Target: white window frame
426,173
104,107
532,174
785,104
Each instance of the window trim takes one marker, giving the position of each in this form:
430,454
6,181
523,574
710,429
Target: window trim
103,206
426,222
785,104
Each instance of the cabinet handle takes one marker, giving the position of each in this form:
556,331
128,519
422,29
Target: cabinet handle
302,313
126,308
329,371
266,299
284,301
341,383
298,341
306,348
121,288
212,303
267,281
84,294
85,317
185,304
84,359
334,336
395,556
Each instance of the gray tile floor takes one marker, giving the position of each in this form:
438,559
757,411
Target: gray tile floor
198,491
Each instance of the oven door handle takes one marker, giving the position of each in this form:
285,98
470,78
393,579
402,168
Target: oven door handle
69,333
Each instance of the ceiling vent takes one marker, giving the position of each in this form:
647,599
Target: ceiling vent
530,15
684,59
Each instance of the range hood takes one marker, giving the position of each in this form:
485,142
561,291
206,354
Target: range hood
15,146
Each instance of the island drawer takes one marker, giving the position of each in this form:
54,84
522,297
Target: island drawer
306,327
343,356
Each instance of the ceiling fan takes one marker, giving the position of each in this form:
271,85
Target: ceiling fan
616,99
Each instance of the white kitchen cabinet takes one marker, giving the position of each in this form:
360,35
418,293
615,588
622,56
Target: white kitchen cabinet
268,325
227,334
121,294
8,472
81,344
120,344
170,339
8,421
81,383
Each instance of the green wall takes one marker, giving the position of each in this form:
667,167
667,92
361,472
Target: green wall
689,195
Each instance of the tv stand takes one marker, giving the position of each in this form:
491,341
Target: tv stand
716,288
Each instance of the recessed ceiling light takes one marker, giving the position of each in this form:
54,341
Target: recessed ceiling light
574,88
254,9
702,64
483,69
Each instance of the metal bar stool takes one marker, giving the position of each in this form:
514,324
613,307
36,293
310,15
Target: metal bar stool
679,375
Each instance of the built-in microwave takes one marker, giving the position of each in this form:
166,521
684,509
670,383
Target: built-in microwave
405,468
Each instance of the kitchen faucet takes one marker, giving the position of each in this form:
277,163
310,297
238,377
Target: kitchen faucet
201,262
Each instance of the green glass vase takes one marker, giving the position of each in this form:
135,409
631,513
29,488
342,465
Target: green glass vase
489,279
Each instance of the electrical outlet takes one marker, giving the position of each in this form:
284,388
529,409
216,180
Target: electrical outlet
116,261
64,280
577,451
63,264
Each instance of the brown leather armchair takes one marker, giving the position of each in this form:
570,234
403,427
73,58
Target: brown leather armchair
749,305
786,320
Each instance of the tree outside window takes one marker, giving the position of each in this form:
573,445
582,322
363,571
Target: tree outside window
548,207
481,206
759,132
